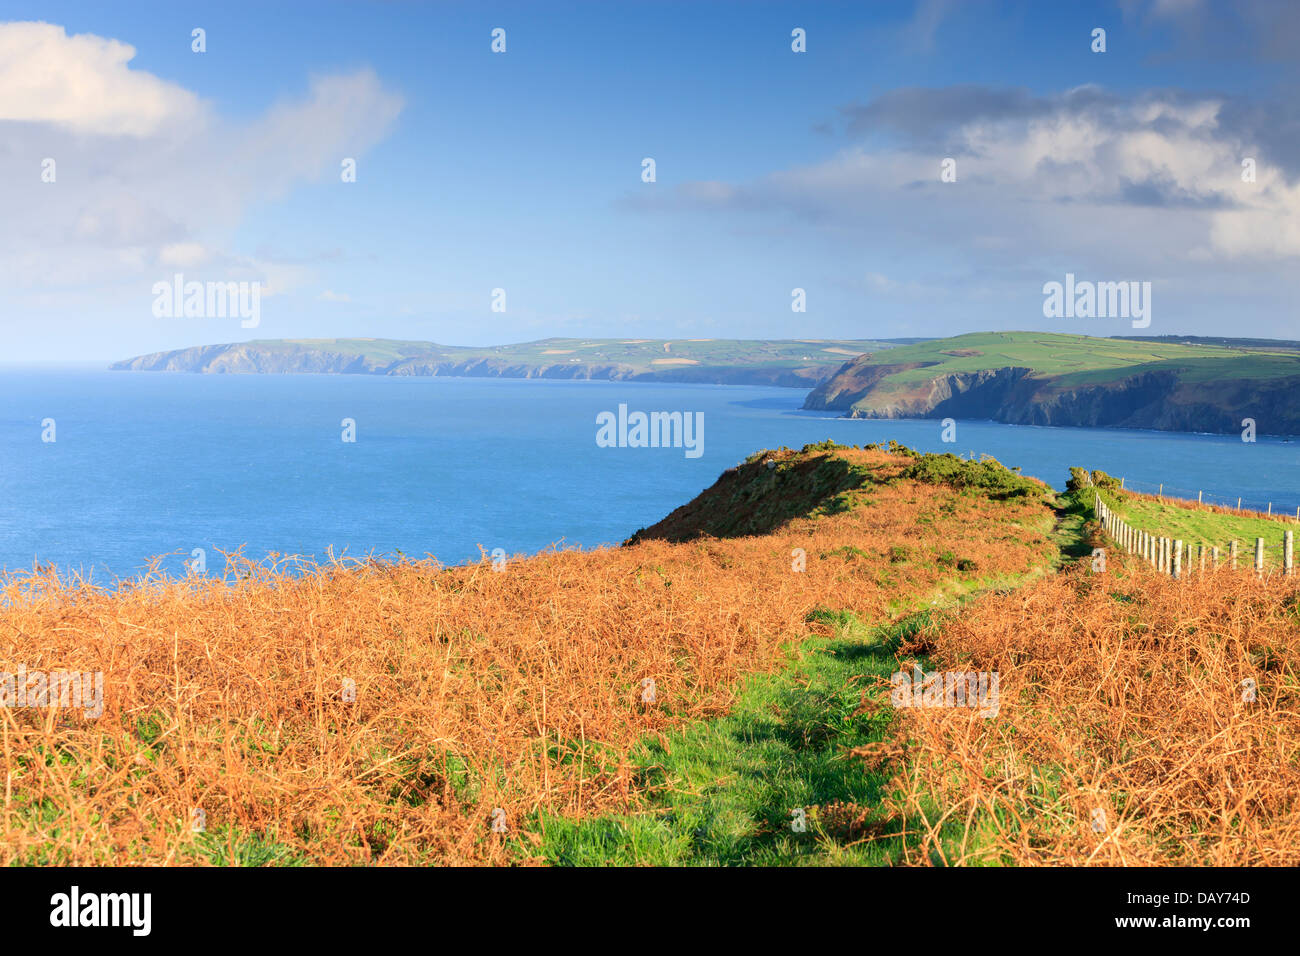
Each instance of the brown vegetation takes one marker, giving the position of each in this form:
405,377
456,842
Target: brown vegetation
1128,731
474,689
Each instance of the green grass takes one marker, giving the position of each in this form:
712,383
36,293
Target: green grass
1083,360
229,847
1198,374
724,792
1195,526
1073,512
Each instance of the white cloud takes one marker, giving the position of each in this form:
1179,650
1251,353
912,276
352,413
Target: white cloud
184,255
147,177
82,83
1152,183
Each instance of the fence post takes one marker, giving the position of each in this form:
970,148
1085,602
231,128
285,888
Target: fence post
1214,556
1286,553
1238,504
1198,497
1200,557
1270,509
1259,555
1232,553
1178,558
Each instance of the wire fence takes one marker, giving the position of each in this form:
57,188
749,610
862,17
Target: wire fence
1178,558
1233,502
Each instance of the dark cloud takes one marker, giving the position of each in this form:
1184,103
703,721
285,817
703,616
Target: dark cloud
1164,193
933,119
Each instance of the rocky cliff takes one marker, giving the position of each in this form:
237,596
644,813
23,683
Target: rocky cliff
1159,399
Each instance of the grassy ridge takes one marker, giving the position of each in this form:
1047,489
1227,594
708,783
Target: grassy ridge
630,355
1073,360
393,713
1042,378
390,713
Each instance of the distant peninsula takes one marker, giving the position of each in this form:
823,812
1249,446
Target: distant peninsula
796,363
1172,383
1040,378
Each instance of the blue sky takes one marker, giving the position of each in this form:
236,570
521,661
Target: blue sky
522,170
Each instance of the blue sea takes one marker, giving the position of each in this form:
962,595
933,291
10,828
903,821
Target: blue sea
147,464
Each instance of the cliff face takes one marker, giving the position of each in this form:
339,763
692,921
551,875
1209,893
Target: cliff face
1155,399
247,359
852,382
699,374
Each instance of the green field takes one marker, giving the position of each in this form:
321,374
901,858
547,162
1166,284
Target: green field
640,354
1197,526
1045,378
1074,360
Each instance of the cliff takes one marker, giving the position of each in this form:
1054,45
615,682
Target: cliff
789,363
1044,379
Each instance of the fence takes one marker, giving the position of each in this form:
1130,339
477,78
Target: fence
1170,556
1200,496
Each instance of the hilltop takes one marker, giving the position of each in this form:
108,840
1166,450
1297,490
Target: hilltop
836,655
789,362
386,712
1041,378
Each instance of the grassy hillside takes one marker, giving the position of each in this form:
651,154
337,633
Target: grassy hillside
1203,524
718,691
1046,378
795,362
384,713
639,354
1071,360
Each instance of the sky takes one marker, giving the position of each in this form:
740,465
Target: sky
522,170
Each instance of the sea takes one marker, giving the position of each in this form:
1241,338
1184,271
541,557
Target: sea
102,471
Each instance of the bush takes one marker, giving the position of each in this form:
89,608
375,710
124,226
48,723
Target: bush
1105,481
1080,478
987,475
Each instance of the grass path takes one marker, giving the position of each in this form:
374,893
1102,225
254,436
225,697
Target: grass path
734,790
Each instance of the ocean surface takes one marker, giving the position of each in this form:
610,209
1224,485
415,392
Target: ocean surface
147,464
